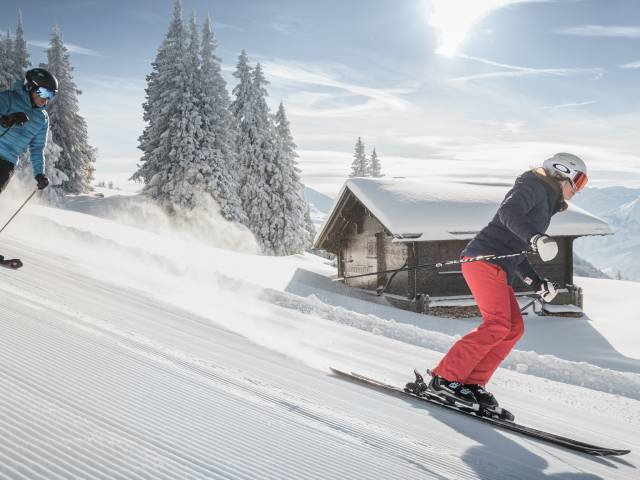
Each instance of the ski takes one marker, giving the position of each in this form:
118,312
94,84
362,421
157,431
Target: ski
13,263
497,422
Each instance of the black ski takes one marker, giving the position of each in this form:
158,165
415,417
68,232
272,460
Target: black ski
504,424
13,263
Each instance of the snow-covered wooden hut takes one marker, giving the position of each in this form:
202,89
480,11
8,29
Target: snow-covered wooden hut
382,224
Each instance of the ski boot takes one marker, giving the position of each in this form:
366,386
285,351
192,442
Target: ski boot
454,393
489,406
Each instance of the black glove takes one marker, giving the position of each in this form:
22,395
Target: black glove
8,121
547,290
43,181
545,246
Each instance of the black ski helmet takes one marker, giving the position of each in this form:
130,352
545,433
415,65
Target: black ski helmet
39,77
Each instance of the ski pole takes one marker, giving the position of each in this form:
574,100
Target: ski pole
18,211
433,265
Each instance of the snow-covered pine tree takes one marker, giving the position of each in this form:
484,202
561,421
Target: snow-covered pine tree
257,138
21,62
170,140
68,127
218,146
288,228
57,177
359,165
241,108
181,181
6,62
162,85
52,153
374,167
310,227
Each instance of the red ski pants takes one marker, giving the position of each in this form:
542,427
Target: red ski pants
475,357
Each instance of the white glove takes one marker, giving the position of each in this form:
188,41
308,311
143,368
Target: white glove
545,246
547,290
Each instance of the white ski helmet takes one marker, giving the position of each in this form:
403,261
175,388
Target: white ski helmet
567,166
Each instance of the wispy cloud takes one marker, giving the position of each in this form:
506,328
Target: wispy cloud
114,83
349,98
437,140
148,17
287,24
71,47
602,31
631,65
518,71
569,105
227,26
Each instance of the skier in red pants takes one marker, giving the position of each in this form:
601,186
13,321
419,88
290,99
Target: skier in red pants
522,218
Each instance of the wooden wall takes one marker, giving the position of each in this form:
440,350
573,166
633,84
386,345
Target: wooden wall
364,246
449,281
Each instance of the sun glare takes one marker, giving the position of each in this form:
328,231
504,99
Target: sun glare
452,20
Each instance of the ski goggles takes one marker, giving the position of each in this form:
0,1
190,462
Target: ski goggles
579,181
45,93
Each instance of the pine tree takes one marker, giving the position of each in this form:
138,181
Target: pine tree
310,227
6,62
289,228
52,152
374,167
258,140
241,110
163,111
218,146
20,55
182,179
57,177
243,91
359,164
69,129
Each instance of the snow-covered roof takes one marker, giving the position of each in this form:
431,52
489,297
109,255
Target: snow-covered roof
437,210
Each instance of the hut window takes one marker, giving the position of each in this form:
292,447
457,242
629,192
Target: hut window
371,249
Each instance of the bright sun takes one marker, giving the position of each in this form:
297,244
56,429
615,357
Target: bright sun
452,19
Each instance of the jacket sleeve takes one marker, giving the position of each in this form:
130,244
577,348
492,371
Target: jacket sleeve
36,149
5,102
527,274
514,209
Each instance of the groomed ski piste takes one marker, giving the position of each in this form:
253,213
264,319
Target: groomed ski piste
138,352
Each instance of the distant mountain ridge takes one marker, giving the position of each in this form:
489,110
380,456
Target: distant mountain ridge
320,206
617,255
320,201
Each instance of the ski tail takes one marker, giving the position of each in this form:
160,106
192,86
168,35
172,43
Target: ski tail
12,263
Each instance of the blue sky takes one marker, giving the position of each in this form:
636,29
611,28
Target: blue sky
457,88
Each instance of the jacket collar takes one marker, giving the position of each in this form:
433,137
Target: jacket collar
560,205
19,88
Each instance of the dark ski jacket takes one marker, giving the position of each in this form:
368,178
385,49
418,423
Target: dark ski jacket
32,134
525,211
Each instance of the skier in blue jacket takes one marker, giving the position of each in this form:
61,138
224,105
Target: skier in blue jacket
24,123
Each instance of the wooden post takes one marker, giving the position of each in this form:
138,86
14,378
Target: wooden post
381,257
412,275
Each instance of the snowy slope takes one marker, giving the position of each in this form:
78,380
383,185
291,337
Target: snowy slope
128,353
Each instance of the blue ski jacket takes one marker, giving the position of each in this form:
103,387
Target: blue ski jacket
525,211
32,134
